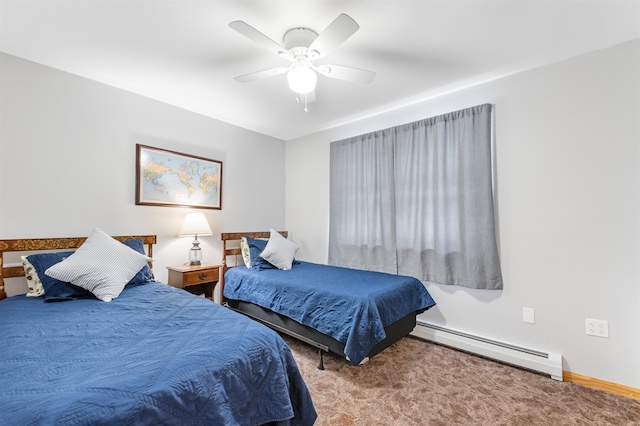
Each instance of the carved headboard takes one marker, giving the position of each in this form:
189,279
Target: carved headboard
40,244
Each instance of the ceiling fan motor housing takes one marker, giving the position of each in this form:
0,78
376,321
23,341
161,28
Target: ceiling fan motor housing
299,39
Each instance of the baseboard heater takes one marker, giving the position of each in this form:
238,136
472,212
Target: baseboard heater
543,362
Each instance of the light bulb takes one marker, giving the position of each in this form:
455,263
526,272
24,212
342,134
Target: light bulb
302,79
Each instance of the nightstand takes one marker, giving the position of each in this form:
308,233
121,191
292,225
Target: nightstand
195,279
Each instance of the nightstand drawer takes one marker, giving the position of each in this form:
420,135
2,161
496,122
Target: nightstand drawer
199,277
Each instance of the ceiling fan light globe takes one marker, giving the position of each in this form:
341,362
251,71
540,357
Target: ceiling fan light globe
302,79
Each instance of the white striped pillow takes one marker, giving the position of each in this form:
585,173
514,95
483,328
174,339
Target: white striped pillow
101,265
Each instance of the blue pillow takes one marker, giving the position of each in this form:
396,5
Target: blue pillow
144,275
55,290
255,248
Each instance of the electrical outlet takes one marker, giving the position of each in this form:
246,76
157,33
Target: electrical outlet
528,315
597,328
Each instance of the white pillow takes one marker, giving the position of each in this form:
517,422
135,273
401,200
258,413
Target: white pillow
246,252
33,280
279,251
101,265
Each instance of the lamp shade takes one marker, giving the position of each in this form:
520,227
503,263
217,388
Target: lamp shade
195,224
302,79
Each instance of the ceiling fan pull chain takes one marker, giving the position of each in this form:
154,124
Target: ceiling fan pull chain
298,100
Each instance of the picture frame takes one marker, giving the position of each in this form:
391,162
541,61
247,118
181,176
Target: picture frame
174,179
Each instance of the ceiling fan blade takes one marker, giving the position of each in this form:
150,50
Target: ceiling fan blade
334,35
340,72
261,74
256,36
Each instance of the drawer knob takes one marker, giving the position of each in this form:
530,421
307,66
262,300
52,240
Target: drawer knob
202,276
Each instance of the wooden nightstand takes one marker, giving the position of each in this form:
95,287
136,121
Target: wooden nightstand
195,279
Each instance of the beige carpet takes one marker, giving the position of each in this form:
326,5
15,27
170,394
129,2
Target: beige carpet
415,382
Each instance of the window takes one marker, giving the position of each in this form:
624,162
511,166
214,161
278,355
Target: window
417,200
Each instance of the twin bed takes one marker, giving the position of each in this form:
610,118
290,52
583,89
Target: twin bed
154,354
349,312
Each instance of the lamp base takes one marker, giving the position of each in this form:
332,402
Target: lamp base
195,253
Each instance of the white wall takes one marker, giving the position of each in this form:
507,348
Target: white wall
568,198
68,164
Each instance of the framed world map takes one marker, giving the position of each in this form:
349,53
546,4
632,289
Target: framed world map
169,178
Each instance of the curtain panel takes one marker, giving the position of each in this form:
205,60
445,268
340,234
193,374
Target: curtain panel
417,199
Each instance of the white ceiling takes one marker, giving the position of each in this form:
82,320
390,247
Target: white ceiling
184,53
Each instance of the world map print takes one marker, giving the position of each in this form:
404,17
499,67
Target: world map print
171,178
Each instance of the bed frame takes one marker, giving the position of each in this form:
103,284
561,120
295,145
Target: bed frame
281,323
40,244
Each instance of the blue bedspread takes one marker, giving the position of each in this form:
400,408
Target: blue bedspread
156,355
350,305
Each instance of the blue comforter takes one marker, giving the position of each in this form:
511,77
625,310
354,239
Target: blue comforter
350,305
156,355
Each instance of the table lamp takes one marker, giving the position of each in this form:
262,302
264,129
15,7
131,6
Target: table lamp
195,224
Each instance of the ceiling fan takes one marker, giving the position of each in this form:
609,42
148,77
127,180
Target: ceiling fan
302,46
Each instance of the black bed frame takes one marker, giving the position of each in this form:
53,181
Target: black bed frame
394,331
324,343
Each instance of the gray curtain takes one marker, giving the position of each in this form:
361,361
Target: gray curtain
417,200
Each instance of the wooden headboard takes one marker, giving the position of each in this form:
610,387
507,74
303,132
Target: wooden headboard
235,251
237,236
39,244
